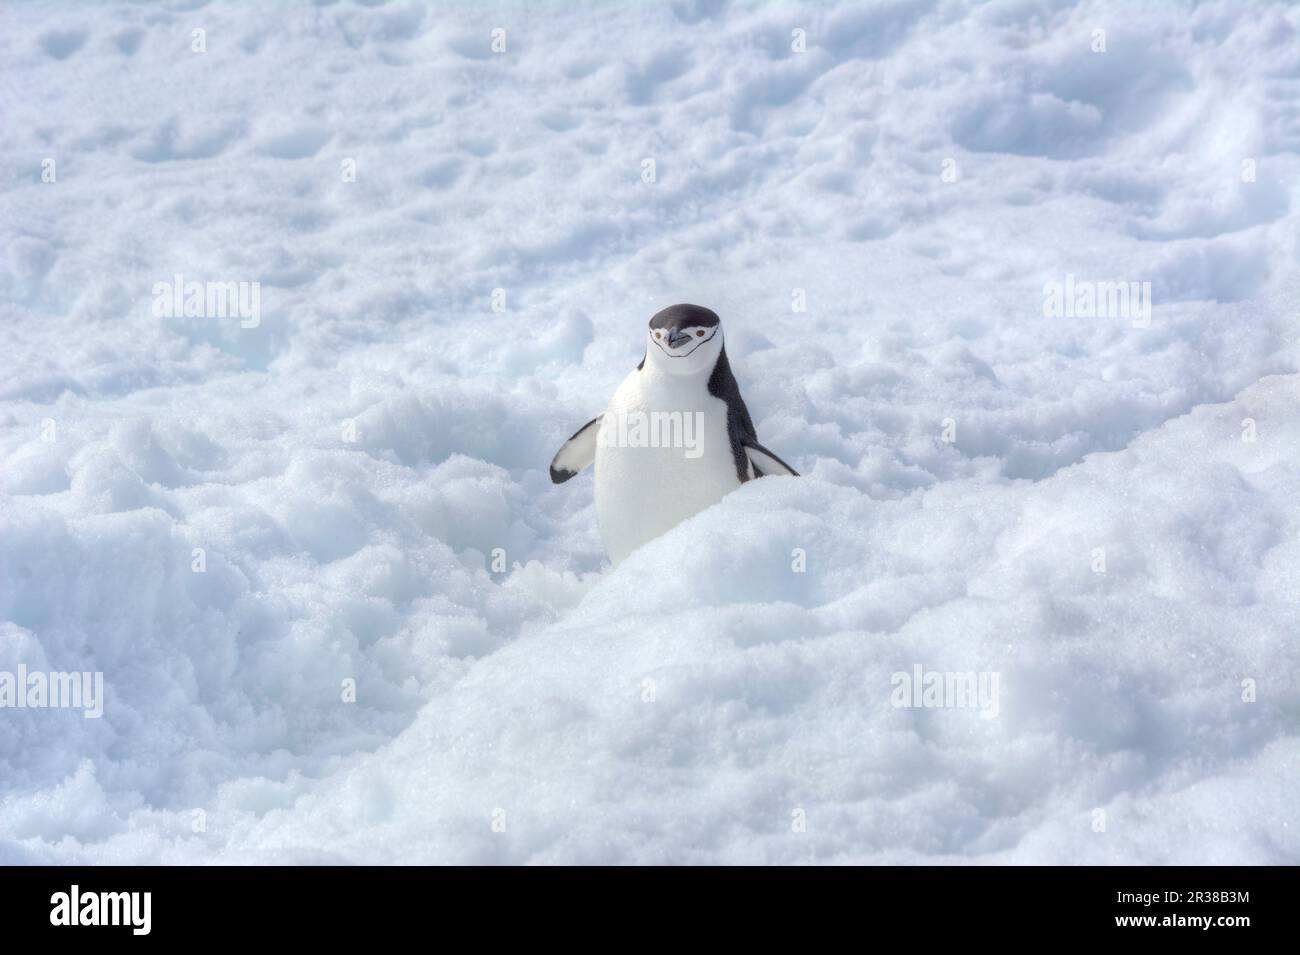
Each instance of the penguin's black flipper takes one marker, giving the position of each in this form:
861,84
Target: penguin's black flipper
576,453
765,462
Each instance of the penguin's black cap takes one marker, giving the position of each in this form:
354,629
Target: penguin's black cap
684,316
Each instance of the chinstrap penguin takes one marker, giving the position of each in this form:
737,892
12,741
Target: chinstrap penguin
675,438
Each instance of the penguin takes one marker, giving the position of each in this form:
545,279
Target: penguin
675,438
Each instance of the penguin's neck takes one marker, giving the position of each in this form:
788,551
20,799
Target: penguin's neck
660,376
673,392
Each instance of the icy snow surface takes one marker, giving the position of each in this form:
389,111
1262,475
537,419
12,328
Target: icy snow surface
703,700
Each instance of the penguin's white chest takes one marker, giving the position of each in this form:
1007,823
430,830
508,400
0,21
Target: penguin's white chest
662,455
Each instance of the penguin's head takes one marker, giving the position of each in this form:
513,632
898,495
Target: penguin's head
684,340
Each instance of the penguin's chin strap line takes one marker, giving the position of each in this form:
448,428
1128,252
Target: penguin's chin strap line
692,351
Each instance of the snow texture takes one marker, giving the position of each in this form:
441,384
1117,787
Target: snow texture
350,462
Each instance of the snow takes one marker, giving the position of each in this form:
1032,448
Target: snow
364,470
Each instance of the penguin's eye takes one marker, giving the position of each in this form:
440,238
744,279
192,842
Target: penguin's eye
700,333
659,334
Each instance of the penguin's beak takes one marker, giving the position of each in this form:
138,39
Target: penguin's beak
676,337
